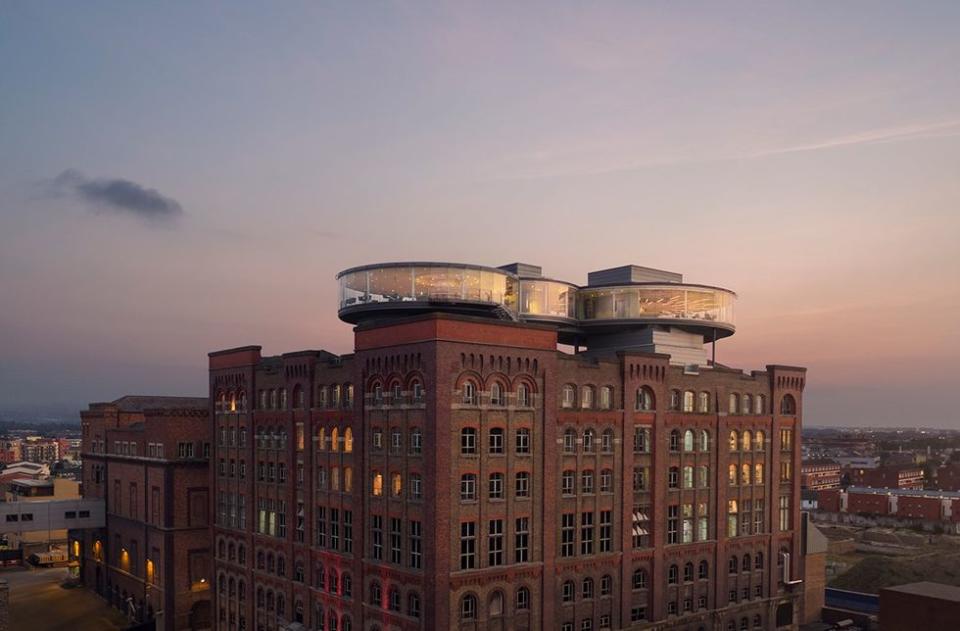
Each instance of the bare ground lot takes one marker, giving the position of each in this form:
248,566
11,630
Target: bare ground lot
868,559
39,603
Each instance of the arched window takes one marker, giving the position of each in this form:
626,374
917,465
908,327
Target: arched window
469,393
758,561
688,440
334,439
393,599
704,440
639,579
586,398
703,402
734,443
703,571
760,404
758,440
747,404
569,441
606,441
674,399
283,398
746,440
587,588
523,599
732,474
645,400
734,407
673,477
321,439
745,565
495,606
568,396
468,440
298,397
758,473
788,405
377,484
416,441
348,440
396,392
732,565
497,396
273,399
242,401
675,440
413,605
688,573
417,392
673,575
376,594
468,607
588,440
688,398
606,398
703,476
757,622
396,484
523,395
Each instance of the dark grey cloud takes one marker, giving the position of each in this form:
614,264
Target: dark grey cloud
117,195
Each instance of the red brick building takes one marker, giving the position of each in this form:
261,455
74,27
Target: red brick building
923,605
948,477
460,472
888,477
148,459
820,474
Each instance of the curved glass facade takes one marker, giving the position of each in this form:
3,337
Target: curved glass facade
548,298
653,302
427,283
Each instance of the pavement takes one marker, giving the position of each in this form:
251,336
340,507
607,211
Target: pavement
39,603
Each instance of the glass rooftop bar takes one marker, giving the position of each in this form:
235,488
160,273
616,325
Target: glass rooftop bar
394,289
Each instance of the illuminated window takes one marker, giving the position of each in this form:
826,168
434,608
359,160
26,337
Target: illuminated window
377,484
396,484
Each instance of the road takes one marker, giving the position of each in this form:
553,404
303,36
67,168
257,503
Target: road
38,603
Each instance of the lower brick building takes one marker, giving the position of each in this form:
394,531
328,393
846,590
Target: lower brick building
888,477
147,458
820,474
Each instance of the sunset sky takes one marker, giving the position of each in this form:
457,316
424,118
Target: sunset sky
177,178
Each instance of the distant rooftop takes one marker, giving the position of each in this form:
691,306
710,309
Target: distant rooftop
930,589
632,274
139,403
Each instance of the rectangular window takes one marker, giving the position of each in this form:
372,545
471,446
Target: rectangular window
468,545
377,538
416,544
586,533
732,511
521,547
348,531
567,534
606,481
686,532
606,531
281,530
395,541
758,516
495,542
785,512
334,528
672,523
320,534
640,478
641,527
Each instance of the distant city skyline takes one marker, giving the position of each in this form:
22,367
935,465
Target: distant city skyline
181,178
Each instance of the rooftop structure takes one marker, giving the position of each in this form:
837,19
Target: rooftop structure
622,308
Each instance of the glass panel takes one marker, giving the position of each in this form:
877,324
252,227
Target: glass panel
646,302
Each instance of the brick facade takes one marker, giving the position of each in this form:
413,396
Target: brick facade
147,458
461,473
